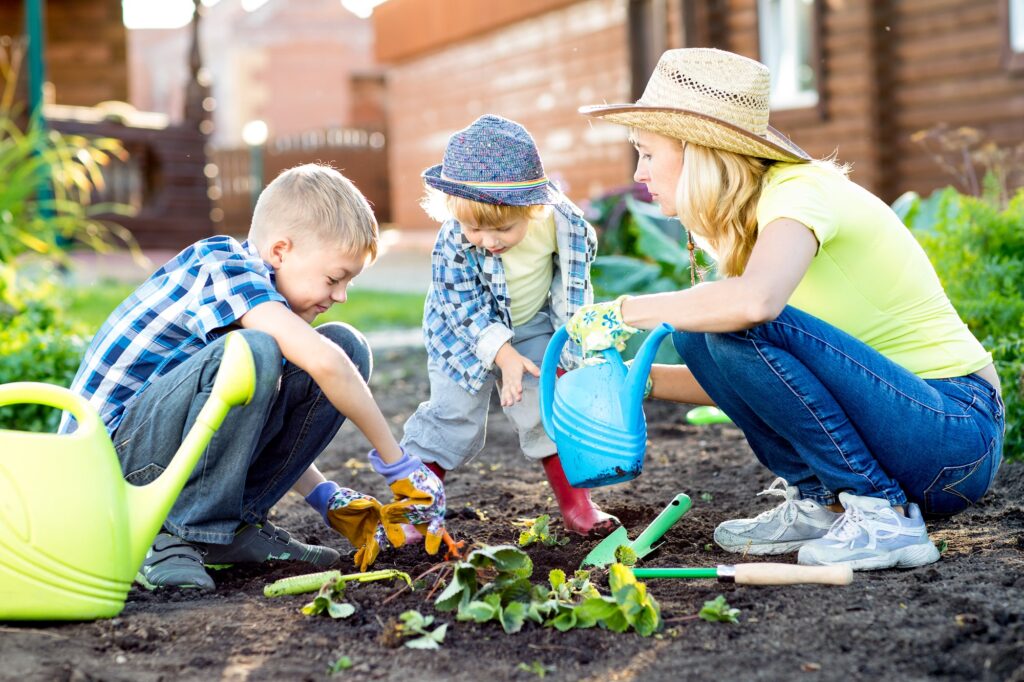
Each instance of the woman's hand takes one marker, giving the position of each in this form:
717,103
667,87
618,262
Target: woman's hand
599,326
513,365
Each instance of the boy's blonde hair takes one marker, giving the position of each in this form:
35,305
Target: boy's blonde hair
717,196
315,204
441,207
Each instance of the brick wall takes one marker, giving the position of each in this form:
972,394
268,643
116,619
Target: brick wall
536,71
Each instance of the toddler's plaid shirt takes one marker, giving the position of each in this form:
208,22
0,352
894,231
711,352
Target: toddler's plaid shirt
181,308
466,316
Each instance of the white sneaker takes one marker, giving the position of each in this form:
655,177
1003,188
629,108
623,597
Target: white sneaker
872,535
782,529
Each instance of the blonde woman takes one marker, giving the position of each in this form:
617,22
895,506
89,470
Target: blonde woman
827,339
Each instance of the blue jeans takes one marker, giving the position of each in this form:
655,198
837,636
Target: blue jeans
258,453
829,414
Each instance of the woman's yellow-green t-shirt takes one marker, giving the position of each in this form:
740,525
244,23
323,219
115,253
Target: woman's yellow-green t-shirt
870,278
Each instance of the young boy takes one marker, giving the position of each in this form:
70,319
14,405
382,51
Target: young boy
151,366
510,265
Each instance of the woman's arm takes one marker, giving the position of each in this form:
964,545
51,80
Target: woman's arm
677,383
778,262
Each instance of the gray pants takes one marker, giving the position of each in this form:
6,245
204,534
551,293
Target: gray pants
451,427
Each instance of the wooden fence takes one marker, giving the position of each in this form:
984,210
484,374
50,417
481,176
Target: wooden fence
360,154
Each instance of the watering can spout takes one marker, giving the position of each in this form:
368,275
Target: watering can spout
636,380
150,503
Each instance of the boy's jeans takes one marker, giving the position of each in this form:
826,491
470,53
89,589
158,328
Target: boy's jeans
829,414
257,454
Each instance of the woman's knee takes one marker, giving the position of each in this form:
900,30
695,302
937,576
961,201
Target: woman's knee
690,346
352,341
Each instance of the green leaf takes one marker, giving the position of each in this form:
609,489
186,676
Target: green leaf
556,577
477,611
719,611
513,616
340,610
565,621
595,610
625,555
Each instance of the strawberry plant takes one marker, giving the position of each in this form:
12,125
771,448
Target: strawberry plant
493,583
718,611
539,531
415,623
330,600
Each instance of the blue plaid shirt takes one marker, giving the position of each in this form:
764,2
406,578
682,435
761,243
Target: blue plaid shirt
181,308
466,316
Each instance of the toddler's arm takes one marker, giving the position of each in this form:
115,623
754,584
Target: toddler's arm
512,365
463,301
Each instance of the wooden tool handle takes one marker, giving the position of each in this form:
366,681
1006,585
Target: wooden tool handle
792,574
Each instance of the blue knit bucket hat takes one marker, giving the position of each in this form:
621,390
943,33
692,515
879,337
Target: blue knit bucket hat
493,161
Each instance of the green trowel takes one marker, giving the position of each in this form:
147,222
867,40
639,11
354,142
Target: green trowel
604,553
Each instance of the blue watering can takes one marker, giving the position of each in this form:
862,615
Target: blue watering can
595,414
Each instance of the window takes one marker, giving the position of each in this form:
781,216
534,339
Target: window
788,46
1016,25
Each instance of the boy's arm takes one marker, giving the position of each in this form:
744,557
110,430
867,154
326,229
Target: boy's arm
330,368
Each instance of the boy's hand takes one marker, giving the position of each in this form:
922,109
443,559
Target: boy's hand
419,500
599,326
512,365
356,516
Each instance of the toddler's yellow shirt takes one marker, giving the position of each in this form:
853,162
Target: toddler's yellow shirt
529,269
870,277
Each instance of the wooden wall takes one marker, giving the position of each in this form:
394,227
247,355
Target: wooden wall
86,48
950,66
890,68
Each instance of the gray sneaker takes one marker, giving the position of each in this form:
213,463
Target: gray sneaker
265,542
782,529
173,562
872,535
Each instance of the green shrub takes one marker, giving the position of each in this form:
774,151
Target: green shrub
36,344
640,250
978,250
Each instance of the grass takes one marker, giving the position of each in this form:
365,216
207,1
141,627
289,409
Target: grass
365,309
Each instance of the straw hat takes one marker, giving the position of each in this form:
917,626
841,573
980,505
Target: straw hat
494,161
709,97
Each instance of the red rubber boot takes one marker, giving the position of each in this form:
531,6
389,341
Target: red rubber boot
579,514
413,536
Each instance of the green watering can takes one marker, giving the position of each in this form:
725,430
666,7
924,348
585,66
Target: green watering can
73,532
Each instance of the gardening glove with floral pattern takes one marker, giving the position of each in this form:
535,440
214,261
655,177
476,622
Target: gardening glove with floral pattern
354,515
419,500
600,325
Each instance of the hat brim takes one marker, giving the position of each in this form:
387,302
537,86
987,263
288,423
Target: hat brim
701,129
535,196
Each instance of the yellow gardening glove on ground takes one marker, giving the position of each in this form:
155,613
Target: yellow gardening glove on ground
419,500
599,326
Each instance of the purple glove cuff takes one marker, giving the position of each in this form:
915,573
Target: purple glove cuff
399,470
321,496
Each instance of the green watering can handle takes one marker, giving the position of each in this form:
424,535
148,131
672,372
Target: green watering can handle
30,392
660,525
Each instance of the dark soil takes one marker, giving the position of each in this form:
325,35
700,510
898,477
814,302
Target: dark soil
962,618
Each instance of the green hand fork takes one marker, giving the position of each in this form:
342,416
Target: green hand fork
73,533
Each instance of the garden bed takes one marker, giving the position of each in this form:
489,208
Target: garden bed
958,619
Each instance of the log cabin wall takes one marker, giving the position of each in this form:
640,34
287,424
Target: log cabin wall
889,69
164,178
86,48
951,64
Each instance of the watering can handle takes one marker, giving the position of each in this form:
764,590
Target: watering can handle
35,393
548,368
